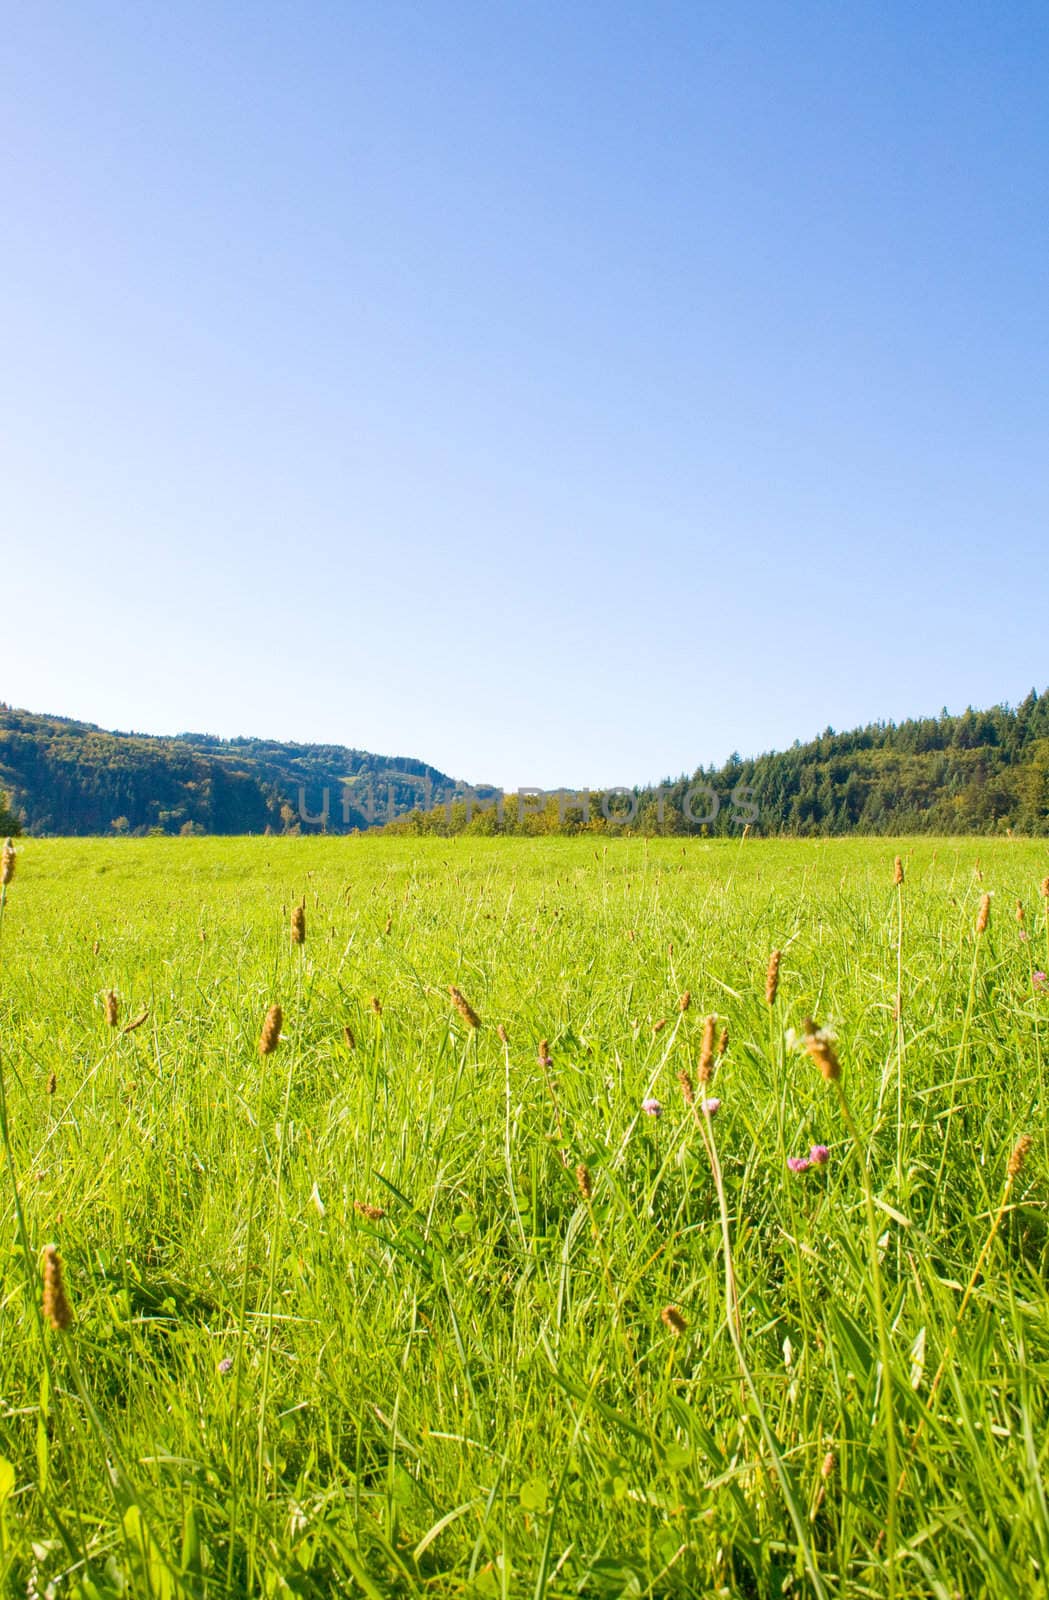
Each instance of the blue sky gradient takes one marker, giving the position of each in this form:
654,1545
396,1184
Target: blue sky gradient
560,394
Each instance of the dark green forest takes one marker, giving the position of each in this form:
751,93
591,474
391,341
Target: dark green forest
65,777
977,772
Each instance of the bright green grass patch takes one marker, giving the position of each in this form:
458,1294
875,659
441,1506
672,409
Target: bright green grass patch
268,1391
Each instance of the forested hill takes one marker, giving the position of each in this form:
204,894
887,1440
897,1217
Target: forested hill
980,772
70,777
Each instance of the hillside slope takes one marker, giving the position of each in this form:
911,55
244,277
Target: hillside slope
69,777
980,772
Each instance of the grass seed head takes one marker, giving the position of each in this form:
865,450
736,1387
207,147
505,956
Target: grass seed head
723,1043
545,1058
1020,911
583,1181
772,978
1045,888
269,1038
897,871
111,1008
1019,1156
7,863
348,1038
55,1305
983,916
371,1213
673,1320
687,1091
819,1044
52,1082
298,924
685,1001
705,1070
504,1037
464,1008
376,1005
830,1461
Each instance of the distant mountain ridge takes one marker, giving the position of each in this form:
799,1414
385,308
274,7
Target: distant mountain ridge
69,777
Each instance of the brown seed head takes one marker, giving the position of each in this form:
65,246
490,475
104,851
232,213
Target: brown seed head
1045,888
136,1022
464,1008
94,948
821,1050
348,1038
269,1038
705,1069
7,863
298,924
582,1178
52,1082
723,1042
983,916
897,871
111,1008
389,925
545,1058
1019,1156
1019,911
657,1027
772,978
55,1305
687,1091
673,1319
504,1037
685,1001
372,1213
830,1461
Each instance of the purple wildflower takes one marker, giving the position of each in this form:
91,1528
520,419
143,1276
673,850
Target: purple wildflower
226,1364
799,1163
1040,980
711,1106
819,1155
652,1107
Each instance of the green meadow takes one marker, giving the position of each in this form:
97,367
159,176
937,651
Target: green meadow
407,1307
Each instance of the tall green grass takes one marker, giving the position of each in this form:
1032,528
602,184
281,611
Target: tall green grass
268,1390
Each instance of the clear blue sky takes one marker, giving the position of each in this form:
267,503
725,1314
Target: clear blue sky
558,393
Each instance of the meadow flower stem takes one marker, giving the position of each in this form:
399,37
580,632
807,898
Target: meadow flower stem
899,1035
732,1316
963,1045
242,1318
884,1346
276,1239
271,1287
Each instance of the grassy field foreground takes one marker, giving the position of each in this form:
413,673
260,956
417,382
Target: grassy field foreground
415,1309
